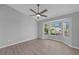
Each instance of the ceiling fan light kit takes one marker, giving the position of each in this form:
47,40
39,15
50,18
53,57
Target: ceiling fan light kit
38,14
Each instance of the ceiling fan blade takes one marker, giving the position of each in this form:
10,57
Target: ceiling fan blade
43,11
32,11
44,15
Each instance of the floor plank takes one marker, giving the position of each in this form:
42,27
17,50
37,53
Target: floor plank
39,47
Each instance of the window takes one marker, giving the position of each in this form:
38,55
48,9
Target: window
57,27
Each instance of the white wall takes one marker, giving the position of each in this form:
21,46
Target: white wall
74,40
75,29
15,26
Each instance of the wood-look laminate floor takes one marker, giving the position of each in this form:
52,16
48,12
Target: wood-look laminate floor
39,47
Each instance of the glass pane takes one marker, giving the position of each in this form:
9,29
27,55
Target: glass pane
66,28
55,28
46,28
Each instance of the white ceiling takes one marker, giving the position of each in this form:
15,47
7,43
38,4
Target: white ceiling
53,9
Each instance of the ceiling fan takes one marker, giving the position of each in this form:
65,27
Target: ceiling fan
38,13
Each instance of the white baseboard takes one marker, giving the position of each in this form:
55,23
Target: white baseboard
14,43
39,38
70,45
75,47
